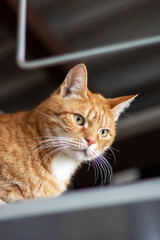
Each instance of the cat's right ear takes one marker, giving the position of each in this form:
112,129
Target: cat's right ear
75,83
118,105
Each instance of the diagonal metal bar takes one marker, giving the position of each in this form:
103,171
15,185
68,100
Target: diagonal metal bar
80,55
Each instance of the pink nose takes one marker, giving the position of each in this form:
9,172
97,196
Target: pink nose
90,141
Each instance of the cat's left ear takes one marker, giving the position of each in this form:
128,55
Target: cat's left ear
118,105
75,83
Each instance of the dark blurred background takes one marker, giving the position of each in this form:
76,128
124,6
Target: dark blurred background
59,26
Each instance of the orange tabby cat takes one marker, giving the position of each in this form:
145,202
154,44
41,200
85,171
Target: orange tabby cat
41,149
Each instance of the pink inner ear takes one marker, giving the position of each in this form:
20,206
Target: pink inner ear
75,82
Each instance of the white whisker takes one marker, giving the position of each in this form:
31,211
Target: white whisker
47,115
104,167
114,149
53,151
100,170
114,156
108,164
67,148
104,172
54,143
95,171
109,169
127,115
89,164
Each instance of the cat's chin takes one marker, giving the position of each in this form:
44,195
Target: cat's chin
78,155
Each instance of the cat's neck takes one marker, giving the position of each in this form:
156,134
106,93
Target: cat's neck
63,167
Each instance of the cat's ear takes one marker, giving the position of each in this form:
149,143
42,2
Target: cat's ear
75,83
118,105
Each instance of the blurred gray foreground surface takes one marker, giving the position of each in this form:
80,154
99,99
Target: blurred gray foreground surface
123,212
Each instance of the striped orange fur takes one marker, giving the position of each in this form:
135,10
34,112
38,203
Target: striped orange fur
41,149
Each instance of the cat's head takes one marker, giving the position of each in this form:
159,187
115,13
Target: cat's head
81,123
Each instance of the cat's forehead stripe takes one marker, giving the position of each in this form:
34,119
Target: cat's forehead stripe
104,121
101,118
100,115
91,115
86,113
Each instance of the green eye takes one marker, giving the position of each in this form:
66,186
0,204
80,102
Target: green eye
78,119
103,133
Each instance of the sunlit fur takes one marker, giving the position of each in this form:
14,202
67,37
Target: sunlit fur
41,149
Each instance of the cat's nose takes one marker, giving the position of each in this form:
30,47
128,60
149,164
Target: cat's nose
90,141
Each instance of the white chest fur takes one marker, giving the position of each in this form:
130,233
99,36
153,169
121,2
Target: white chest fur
63,167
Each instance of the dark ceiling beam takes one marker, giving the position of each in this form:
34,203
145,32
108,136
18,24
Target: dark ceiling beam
36,24
41,42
